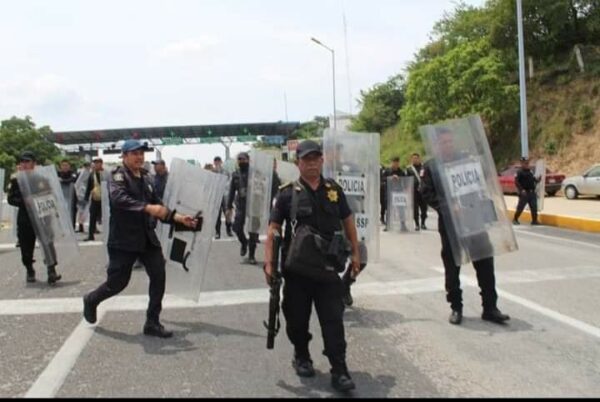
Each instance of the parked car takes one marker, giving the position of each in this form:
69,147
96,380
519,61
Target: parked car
586,184
507,180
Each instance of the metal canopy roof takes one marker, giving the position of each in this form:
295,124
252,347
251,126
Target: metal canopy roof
206,131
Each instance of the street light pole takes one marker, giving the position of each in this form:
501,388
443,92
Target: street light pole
333,67
522,84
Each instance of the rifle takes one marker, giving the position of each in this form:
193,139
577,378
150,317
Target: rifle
273,324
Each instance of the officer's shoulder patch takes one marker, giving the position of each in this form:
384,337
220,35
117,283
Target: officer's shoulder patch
118,176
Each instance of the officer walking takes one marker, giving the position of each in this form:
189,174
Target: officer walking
484,267
238,192
526,182
134,210
25,231
67,181
415,169
313,204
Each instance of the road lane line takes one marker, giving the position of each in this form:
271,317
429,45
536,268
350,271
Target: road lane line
555,315
54,375
559,239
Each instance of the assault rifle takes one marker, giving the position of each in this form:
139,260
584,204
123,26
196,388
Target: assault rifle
273,324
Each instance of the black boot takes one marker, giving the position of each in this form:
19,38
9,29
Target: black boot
53,277
340,378
303,366
152,328
494,315
89,309
30,274
228,228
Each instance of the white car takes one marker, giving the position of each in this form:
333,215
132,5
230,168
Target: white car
586,184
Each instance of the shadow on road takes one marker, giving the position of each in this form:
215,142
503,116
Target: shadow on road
366,386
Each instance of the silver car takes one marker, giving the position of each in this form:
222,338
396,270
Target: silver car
586,184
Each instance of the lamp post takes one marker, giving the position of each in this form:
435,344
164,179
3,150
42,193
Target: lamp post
333,67
522,84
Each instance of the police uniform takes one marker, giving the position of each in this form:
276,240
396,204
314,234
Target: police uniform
25,231
95,205
238,193
67,179
484,268
131,237
526,182
419,204
322,209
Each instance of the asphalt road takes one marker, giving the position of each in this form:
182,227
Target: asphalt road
400,343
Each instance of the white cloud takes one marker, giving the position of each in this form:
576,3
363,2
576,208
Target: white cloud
189,47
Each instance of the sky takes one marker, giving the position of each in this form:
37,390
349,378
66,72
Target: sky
81,65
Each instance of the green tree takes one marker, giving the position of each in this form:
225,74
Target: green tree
18,135
311,129
380,106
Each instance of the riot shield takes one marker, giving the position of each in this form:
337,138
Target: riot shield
400,204
258,198
287,172
352,160
83,206
471,201
48,214
540,187
68,190
190,190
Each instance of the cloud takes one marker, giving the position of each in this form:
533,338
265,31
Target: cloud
189,47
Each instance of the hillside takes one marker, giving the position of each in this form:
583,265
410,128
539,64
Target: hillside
564,122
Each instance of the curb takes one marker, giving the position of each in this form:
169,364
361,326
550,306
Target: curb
561,221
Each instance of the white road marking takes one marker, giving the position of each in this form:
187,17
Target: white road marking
554,315
558,239
54,375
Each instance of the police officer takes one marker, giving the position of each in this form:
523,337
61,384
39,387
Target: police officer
134,210
393,171
415,169
94,191
238,192
320,205
25,231
67,180
218,168
484,267
161,175
526,182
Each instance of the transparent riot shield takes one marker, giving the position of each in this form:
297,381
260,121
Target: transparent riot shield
399,214
540,188
471,201
68,190
287,171
190,190
48,214
258,198
83,206
352,160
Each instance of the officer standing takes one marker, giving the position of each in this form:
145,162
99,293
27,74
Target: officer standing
25,231
484,267
67,180
415,169
94,191
313,203
161,175
393,171
526,182
134,210
218,168
238,192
